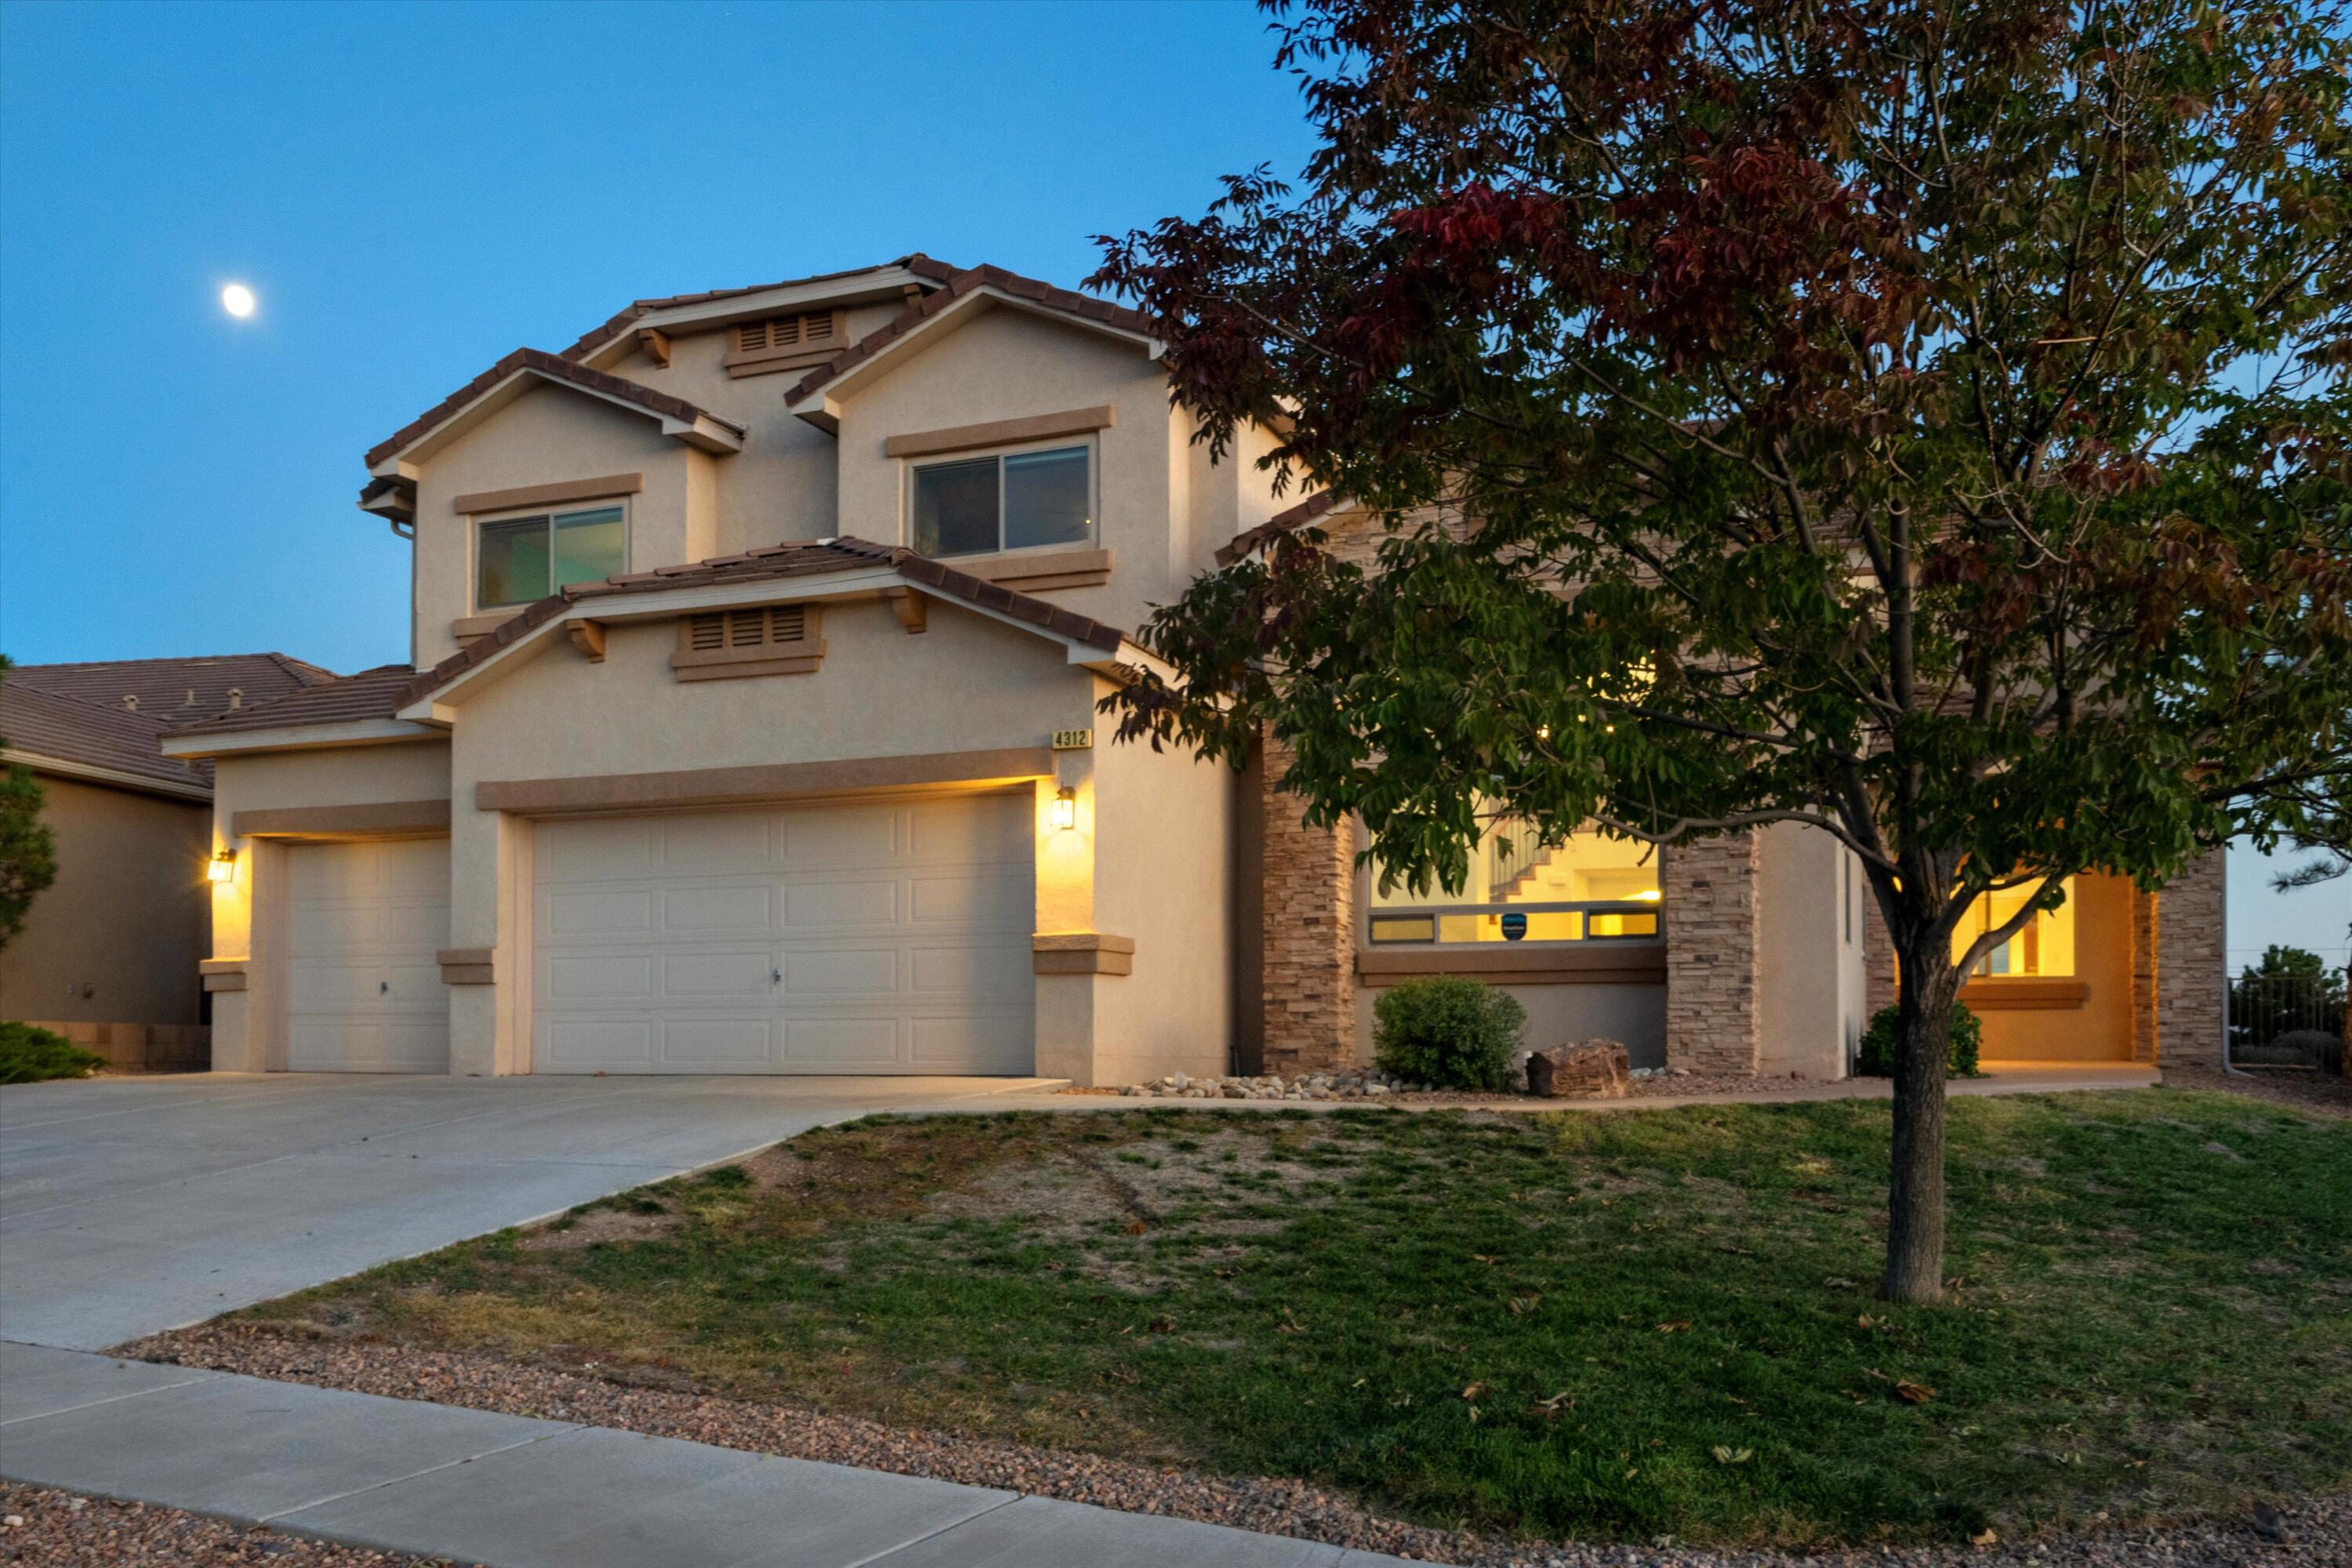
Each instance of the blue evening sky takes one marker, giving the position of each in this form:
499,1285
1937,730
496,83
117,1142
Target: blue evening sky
413,190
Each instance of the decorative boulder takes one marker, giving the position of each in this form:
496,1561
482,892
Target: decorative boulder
1588,1069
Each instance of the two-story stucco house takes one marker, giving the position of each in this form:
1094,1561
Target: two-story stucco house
749,727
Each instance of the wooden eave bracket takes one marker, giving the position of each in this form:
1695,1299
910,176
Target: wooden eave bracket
588,636
655,345
912,608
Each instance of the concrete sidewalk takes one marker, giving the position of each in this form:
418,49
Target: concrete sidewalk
512,1492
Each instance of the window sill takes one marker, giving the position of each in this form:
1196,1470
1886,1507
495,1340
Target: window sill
1607,961
1032,573
2023,994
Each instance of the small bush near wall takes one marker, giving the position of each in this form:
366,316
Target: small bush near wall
1448,1032
28,1055
1877,1055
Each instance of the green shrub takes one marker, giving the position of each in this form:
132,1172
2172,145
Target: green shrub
28,1055
1877,1058
1447,1032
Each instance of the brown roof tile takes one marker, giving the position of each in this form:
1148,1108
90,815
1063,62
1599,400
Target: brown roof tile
1298,516
46,725
956,284
174,691
555,368
370,694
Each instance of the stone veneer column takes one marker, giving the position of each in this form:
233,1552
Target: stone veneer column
2191,964
2146,968
1878,965
1710,911
1310,933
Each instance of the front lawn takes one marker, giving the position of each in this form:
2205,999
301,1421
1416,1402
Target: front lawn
1622,1324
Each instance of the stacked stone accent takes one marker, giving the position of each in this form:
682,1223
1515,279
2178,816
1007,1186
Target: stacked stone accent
1310,934
1711,953
2146,966
2193,967
1878,964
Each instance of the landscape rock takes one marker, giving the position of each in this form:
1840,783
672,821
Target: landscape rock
1588,1069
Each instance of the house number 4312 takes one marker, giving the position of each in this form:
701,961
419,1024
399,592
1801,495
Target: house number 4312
1073,740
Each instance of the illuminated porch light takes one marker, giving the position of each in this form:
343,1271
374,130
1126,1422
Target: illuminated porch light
222,867
1648,895
1066,808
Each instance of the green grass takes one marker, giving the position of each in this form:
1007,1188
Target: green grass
1622,1325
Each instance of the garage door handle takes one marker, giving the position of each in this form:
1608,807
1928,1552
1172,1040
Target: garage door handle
383,987
775,977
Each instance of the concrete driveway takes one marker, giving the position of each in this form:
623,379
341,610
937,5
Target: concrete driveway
130,1205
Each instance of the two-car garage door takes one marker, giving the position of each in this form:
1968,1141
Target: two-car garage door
869,937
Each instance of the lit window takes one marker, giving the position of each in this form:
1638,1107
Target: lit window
527,558
1592,887
977,506
2043,945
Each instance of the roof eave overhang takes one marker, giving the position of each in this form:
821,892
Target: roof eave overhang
392,496
703,432
118,778
821,405
881,286
299,737
437,708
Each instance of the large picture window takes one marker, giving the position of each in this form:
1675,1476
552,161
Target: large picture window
2042,947
1589,888
526,558
1016,501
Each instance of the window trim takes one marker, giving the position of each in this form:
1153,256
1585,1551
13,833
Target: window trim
1437,953
1089,443
476,522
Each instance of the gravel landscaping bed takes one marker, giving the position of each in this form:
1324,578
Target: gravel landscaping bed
2315,1531
1371,1086
39,1525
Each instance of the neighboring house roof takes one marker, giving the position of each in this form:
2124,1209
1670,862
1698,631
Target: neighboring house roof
55,733
367,695
622,320
380,693
174,690
956,287
1298,516
552,368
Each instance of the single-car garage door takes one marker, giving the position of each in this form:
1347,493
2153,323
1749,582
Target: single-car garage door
364,922
881,937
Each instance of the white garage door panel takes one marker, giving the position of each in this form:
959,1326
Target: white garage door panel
879,937
363,989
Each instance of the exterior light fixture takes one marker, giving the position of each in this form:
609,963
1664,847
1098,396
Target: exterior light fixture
222,867
1066,808
1648,895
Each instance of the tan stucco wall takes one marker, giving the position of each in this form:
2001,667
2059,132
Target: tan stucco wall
1008,364
543,437
1163,868
126,914
247,921
2100,1029
1809,962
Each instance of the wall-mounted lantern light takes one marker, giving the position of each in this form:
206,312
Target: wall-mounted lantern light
1066,808
222,867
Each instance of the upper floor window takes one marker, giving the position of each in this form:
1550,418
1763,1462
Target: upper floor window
1014,501
2043,946
520,558
1587,888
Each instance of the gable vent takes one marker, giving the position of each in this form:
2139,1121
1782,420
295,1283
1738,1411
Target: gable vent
780,342
775,639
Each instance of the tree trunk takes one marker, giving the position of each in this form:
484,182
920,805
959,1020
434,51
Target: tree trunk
1915,1207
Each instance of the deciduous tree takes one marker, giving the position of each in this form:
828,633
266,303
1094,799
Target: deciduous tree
1924,422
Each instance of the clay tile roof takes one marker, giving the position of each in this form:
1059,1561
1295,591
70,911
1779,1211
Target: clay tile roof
957,286
555,368
370,694
1298,516
68,730
174,690
622,320
768,563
